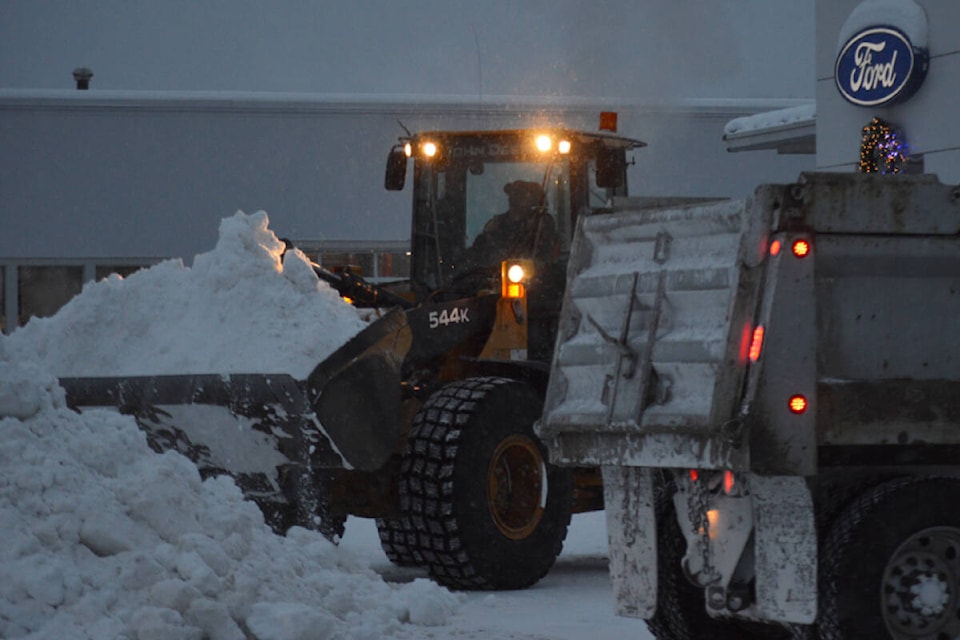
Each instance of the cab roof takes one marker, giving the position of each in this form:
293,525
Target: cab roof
610,140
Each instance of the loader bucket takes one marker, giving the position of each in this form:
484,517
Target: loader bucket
355,393
261,427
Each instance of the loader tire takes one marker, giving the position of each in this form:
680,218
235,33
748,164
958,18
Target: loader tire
890,565
681,608
488,511
398,541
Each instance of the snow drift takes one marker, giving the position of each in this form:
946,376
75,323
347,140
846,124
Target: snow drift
105,538
239,309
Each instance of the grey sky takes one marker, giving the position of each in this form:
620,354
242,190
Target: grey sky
659,49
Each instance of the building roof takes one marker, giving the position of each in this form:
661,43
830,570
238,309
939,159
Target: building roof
790,130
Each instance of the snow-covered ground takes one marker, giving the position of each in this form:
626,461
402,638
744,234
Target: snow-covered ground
574,601
104,539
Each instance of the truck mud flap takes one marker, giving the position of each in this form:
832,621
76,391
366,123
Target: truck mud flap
628,495
786,549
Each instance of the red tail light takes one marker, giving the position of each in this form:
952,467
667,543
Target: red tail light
728,482
802,248
797,404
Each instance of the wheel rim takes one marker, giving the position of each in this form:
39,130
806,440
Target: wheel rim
517,487
920,586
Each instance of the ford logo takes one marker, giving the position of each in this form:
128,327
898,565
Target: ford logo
878,66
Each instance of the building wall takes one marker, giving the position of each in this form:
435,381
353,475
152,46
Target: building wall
128,175
928,120
92,179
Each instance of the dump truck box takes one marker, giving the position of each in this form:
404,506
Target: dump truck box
686,331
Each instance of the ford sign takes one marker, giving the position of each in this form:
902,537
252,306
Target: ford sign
879,66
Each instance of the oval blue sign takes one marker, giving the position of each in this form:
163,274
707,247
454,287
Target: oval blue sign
879,66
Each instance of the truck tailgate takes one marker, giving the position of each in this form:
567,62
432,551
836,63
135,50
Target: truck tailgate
653,335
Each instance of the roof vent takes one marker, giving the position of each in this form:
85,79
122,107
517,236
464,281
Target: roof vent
82,75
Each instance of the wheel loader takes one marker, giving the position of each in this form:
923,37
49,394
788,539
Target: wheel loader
424,420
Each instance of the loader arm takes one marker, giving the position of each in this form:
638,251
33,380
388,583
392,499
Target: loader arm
362,294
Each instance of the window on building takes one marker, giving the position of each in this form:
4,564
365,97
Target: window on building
394,265
41,291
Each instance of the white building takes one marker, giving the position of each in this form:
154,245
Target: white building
95,181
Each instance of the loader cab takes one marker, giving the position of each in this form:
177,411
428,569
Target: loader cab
484,196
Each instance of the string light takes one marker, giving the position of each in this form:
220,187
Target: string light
882,148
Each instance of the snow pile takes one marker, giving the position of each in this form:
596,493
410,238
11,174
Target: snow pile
239,309
906,15
103,538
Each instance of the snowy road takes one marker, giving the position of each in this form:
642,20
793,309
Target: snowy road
573,602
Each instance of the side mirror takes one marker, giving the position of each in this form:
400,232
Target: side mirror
396,173
610,168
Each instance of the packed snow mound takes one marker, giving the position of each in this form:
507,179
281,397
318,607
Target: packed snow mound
239,309
103,538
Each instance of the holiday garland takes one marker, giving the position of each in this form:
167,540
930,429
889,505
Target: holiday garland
882,148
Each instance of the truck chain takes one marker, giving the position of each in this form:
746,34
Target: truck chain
698,503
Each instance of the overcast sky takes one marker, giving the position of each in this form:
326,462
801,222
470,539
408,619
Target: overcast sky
652,50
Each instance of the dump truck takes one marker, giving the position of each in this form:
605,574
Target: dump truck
771,389
423,420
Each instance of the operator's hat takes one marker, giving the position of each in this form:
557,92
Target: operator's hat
525,190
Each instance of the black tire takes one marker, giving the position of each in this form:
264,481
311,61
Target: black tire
681,610
901,534
477,527
398,539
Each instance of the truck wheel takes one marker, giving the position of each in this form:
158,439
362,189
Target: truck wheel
890,565
398,541
681,609
489,512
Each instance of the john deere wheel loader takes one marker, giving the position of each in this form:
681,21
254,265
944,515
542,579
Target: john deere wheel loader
424,420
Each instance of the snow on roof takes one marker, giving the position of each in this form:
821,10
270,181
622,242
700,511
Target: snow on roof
788,130
802,114
906,15
285,101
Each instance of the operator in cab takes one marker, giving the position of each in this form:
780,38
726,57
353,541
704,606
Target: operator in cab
525,230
